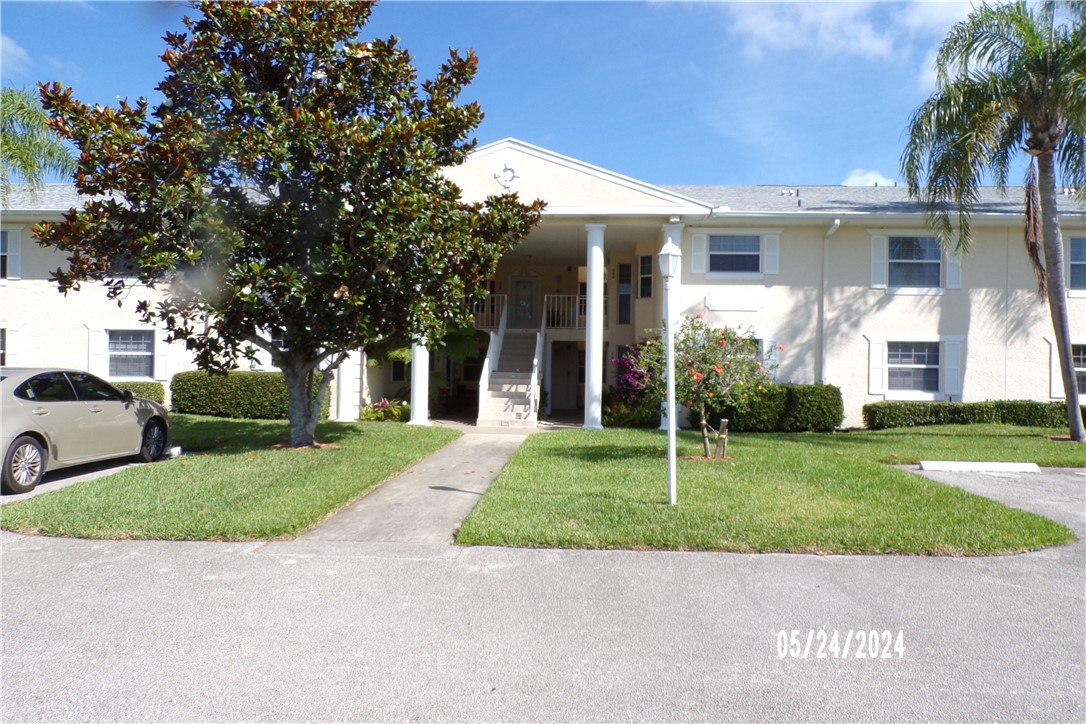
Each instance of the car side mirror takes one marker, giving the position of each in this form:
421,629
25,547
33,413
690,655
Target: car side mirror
127,396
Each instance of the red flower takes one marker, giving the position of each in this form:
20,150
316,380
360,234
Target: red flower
700,316
697,377
718,369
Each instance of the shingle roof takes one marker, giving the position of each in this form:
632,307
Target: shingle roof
837,199
51,197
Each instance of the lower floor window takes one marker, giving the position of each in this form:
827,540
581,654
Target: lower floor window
1078,357
913,366
3,347
131,354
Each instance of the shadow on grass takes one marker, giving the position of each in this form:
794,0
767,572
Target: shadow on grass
607,452
229,436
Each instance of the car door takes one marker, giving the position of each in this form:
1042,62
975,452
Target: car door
107,424
49,403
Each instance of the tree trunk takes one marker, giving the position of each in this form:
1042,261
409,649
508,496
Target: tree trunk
305,397
705,437
1056,277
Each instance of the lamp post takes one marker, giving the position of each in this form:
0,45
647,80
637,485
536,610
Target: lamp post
670,258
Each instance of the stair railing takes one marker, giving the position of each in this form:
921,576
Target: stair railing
490,364
533,383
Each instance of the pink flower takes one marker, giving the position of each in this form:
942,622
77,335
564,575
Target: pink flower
700,316
718,369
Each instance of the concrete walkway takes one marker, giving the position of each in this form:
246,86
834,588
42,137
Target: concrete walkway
427,502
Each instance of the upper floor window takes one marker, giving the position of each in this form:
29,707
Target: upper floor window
915,261
10,248
1078,263
738,254
131,354
644,287
909,263
3,347
735,253
625,293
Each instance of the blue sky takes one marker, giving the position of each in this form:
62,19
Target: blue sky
665,92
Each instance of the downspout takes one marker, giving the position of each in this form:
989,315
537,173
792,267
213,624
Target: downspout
820,373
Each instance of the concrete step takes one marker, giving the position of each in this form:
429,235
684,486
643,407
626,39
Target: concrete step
493,422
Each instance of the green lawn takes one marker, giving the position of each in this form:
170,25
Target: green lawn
230,484
797,493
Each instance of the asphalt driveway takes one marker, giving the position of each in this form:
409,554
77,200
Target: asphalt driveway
313,630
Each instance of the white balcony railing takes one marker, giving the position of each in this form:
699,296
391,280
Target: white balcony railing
488,312
567,311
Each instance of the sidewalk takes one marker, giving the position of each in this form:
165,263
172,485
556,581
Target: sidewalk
427,502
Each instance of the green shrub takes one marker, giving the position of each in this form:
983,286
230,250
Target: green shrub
385,411
1027,413
620,411
147,390
238,394
786,408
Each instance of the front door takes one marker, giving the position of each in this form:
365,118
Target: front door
525,303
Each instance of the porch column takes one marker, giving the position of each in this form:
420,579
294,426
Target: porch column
593,362
349,386
674,234
420,384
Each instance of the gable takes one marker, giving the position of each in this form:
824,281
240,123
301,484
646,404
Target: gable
567,185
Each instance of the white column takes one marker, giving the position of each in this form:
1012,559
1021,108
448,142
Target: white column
420,384
672,233
349,386
593,362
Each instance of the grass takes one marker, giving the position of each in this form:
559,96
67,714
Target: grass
230,484
808,492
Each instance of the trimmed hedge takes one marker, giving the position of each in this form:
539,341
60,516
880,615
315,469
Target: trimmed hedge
1026,413
238,394
147,390
787,408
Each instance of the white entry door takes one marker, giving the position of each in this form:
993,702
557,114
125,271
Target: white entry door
525,302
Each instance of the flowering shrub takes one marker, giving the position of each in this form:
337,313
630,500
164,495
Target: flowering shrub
713,368
394,410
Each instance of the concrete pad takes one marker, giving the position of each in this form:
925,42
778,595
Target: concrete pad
978,467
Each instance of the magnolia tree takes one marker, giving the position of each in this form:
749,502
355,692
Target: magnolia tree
287,194
714,368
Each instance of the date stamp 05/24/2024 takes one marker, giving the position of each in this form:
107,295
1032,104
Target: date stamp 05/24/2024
834,644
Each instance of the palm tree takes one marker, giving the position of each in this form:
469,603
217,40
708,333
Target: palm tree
1010,77
28,147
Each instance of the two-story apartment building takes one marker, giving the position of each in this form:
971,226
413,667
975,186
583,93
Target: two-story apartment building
849,280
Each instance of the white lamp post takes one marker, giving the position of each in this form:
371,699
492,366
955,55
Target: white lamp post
670,259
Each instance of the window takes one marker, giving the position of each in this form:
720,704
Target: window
644,286
735,253
3,347
625,293
913,366
9,254
399,371
1078,264
1078,359
47,387
89,387
131,354
915,261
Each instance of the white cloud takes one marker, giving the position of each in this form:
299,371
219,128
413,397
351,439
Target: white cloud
834,28
861,177
13,57
931,18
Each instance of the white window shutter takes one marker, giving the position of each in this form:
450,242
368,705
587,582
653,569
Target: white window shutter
161,349
876,368
952,368
772,253
699,253
11,347
15,254
98,352
953,270
769,354
879,254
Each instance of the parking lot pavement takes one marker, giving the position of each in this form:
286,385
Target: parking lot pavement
317,630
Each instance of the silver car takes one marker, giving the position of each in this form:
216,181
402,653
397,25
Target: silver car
53,418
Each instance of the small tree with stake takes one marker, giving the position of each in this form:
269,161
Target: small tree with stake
289,187
714,368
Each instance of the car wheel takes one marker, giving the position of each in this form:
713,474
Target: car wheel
154,441
24,464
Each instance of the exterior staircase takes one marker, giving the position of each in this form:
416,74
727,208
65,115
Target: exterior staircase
508,400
